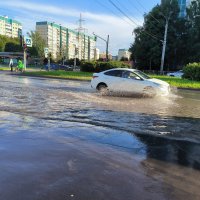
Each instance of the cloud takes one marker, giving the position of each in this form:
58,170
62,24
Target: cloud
102,24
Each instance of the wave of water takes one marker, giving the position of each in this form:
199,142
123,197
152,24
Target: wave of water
176,116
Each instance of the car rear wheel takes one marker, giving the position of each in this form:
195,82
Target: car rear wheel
103,89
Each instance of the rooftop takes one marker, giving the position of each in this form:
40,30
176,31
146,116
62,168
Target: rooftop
58,26
9,20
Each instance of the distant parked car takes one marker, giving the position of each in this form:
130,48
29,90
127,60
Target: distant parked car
66,67
176,74
128,81
58,67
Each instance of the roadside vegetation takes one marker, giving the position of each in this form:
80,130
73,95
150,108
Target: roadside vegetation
179,82
192,72
62,74
4,68
97,66
8,44
87,76
183,41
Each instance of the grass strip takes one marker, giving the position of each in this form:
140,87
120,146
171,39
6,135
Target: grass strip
179,82
62,74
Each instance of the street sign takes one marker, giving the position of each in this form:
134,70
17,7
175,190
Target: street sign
28,41
46,52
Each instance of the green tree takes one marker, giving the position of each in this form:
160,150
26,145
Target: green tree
9,44
13,47
147,47
3,40
38,44
124,59
194,31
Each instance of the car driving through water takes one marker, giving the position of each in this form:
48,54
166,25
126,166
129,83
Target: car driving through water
128,81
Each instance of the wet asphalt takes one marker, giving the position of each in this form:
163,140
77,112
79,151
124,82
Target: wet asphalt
61,140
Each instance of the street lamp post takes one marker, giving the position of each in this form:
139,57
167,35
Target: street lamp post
106,41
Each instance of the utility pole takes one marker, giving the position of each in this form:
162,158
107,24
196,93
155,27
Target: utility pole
49,61
106,41
164,45
167,18
75,54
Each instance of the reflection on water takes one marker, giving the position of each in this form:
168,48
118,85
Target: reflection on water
172,122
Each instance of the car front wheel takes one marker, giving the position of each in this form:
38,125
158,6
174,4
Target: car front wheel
149,91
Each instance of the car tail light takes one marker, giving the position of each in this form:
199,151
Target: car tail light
95,77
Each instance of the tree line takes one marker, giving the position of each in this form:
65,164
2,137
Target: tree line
8,44
183,41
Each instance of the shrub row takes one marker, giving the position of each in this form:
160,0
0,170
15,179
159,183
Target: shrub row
192,71
102,66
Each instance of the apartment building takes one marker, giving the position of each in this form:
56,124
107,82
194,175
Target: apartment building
65,42
96,54
102,56
124,53
10,27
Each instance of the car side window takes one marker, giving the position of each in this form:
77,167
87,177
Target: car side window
117,73
134,76
130,75
126,74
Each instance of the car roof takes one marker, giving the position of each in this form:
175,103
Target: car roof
126,69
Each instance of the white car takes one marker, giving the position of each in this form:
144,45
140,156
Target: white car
128,81
176,74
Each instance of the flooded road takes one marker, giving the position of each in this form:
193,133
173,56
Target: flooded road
61,140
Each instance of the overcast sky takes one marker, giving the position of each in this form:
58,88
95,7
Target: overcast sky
101,16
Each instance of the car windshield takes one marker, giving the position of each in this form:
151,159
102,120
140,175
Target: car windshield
142,75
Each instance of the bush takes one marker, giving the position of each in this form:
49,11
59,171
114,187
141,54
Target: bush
88,66
70,62
102,66
192,71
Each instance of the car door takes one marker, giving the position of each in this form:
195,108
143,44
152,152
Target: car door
113,80
132,83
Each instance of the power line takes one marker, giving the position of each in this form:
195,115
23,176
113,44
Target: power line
121,5
108,8
121,11
145,9
135,7
131,12
154,37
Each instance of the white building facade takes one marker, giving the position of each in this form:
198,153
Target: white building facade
10,27
65,42
124,53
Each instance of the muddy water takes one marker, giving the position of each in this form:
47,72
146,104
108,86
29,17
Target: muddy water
154,142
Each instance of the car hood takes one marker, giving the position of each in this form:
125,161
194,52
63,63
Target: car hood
154,80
